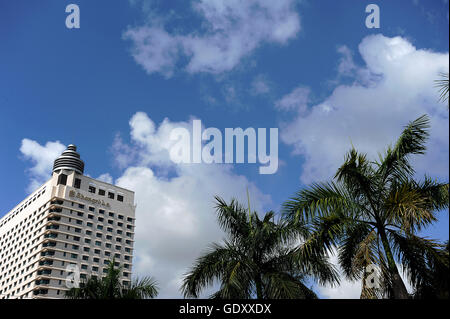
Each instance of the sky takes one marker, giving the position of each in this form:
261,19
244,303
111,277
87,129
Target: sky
136,69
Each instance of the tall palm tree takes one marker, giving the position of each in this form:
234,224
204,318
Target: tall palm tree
372,212
256,260
110,287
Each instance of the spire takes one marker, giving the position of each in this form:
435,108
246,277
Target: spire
69,160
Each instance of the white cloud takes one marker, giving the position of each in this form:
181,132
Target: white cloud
42,158
296,100
124,155
346,65
397,86
107,178
260,85
154,49
230,30
152,143
175,213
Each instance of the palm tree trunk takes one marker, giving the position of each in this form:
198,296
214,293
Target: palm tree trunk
398,286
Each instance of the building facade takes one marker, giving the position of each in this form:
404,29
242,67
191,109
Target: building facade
70,225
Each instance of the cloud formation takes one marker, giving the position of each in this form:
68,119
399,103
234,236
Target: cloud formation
395,86
230,30
42,157
260,85
175,213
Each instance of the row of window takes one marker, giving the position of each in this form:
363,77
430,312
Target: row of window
62,180
13,214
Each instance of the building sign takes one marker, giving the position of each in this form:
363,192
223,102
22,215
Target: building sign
94,201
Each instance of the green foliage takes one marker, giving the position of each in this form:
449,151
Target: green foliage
110,287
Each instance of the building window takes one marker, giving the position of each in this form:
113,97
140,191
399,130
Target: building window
110,195
77,183
91,189
120,198
62,179
101,192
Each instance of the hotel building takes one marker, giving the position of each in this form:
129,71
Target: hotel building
72,224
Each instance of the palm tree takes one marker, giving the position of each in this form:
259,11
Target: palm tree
372,212
110,287
255,260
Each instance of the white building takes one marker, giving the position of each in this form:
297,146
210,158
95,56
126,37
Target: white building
70,223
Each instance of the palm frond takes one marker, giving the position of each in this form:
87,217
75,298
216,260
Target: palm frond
279,285
395,164
418,255
232,218
443,85
320,199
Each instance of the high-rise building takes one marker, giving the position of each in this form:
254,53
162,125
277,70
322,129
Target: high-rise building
72,224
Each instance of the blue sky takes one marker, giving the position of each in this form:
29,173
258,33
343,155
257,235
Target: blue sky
310,68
